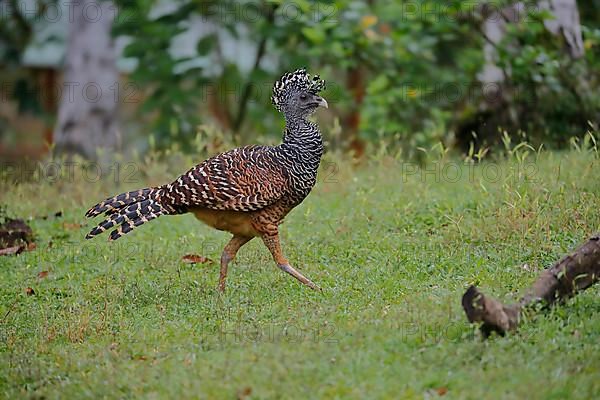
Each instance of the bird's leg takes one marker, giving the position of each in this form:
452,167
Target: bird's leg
228,255
272,243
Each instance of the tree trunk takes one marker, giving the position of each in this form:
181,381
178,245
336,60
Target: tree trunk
499,106
565,23
87,117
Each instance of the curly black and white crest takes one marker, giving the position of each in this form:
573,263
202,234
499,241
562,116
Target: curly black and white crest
293,82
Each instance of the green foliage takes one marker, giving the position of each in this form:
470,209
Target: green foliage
18,24
396,69
18,21
171,94
554,96
408,69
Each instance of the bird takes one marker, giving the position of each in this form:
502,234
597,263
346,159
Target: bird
247,191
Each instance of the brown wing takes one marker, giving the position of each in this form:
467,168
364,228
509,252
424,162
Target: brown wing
244,179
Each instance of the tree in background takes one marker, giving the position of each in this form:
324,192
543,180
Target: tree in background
87,117
406,71
536,74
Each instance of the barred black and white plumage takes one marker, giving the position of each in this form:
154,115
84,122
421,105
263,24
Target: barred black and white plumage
127,211
246,191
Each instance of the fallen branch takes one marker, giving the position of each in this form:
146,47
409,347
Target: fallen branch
564,279
11,250
15,237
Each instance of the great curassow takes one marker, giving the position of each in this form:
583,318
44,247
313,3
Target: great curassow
246,191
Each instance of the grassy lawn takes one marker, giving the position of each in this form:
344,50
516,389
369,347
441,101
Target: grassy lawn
393,248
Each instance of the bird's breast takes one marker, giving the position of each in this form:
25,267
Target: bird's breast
236,222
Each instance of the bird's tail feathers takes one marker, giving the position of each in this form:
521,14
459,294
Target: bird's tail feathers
127,211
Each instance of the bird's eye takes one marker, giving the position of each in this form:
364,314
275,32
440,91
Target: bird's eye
303,97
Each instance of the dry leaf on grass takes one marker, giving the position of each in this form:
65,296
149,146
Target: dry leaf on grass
195,259
244,393
71,226
29,291
42,274
441,391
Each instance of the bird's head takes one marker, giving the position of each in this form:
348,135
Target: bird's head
296,94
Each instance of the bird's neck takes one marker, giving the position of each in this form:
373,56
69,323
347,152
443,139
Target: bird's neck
302,136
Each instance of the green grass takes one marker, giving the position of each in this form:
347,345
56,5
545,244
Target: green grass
393,250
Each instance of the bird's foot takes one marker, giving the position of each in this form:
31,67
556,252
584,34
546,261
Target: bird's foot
293,272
